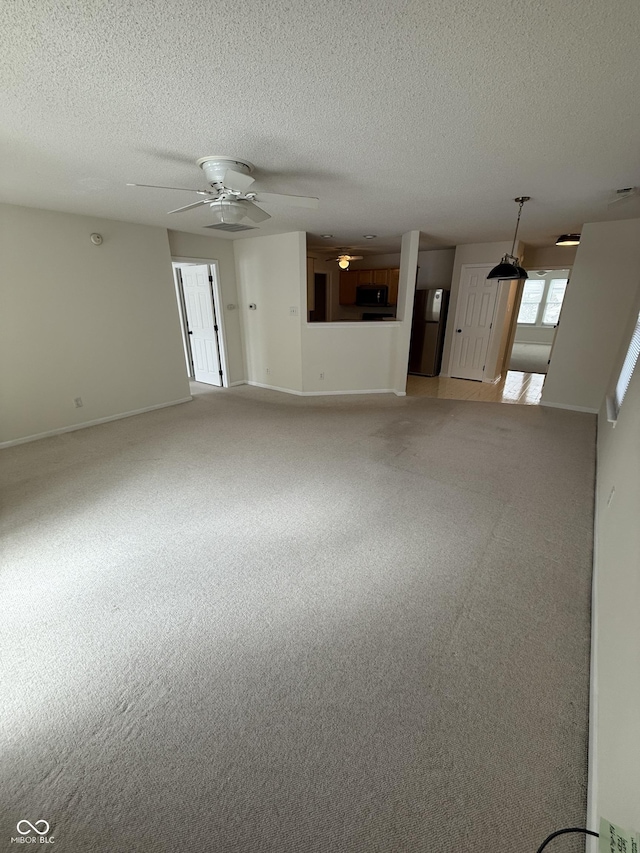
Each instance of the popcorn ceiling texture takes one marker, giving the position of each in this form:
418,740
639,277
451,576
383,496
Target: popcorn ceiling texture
399,115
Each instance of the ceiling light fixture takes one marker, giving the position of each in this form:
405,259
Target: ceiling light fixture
343,262
228,211
509,267
369,236
326,236
568,240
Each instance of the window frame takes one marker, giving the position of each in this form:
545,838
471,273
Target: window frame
543,300
625,374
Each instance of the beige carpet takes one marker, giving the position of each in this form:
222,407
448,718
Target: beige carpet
256,622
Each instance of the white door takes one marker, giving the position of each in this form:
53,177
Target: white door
474,318
201,322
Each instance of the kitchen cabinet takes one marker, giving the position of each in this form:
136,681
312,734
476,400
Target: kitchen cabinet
348,283
394,278
350,279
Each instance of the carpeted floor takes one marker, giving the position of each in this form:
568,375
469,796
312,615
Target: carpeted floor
257,622
530,358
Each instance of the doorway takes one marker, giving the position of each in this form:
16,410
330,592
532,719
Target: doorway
199,300
537,320
319,312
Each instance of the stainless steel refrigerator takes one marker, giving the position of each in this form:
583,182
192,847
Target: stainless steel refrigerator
427,331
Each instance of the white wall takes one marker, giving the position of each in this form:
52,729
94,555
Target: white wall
548,257
471,253
352,356
364,356
78,320
213,248
534,334
596,306
272,273
615,749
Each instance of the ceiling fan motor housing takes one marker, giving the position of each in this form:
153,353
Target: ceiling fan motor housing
215,168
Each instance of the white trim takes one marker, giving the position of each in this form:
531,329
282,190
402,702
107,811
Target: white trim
325,393
218,308
238,382
570,408
75,427
592,753
610,405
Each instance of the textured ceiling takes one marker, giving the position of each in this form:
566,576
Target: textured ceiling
397,114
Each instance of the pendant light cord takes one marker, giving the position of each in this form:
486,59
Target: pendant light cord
517,226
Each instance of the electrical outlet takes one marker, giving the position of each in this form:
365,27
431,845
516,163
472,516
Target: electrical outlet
78,402
322,376
293,310
268,370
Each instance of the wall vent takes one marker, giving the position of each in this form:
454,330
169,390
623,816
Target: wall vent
226,226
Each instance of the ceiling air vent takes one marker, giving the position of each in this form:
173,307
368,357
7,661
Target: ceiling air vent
228,226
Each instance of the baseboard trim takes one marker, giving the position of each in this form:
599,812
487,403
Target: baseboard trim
325,393
587,409
592,752
95,422
237,382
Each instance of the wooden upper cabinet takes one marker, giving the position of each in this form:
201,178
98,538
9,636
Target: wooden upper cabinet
350,279
394,278
348,284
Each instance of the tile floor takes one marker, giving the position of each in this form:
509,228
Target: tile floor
524,389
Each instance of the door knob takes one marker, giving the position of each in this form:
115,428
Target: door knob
457,330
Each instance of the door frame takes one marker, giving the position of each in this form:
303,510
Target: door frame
218,307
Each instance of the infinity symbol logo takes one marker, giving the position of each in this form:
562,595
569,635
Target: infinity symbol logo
33,827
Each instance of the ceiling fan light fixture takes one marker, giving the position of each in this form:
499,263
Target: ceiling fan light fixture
228,211
343,263
568,240
509,268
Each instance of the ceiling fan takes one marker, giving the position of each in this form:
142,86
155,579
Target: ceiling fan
228,196
344,259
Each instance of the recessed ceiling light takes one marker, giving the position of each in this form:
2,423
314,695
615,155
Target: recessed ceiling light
326,236
370,236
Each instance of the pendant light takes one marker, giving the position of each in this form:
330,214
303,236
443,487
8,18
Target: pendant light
509,267
568,240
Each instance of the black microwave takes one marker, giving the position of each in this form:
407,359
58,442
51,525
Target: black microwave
372,294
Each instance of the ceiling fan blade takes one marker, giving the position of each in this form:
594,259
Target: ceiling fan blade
293,200
182,189
255,213
189,206
237,180
356,257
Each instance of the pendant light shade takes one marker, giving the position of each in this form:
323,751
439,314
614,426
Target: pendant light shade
509,268
506,270
568,240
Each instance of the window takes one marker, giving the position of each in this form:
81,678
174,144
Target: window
630,362
531,299
542,301
553,302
